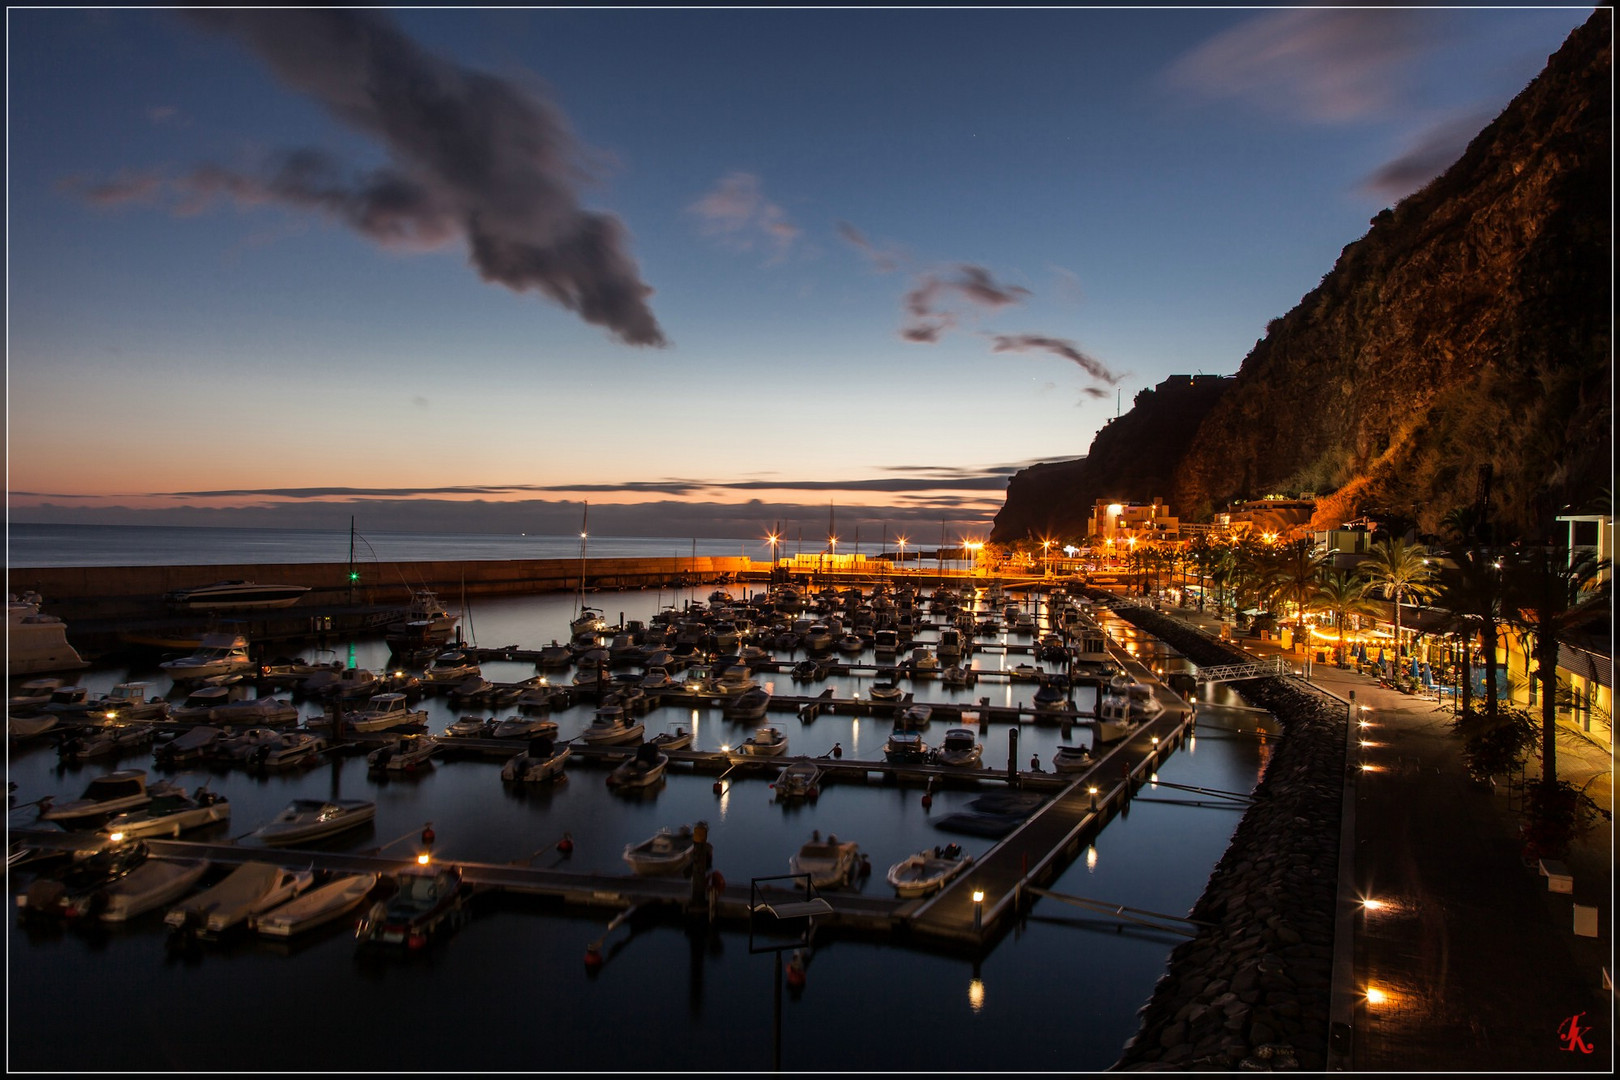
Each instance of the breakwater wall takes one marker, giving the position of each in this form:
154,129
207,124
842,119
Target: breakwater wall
108,592
1253,989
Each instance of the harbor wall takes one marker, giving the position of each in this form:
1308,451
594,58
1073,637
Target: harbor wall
103,592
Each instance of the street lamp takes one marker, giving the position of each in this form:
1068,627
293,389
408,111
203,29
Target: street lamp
900,542
973,546
1046,563
773,540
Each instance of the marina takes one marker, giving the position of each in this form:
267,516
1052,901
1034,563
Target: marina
504,837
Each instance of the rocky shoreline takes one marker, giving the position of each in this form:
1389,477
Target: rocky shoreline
1253,989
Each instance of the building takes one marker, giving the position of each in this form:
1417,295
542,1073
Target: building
1122,522
1277,517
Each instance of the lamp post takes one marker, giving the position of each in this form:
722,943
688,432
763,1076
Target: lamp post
900,542
1046,558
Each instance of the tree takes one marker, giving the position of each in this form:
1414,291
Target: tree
1344,594
1297,574
1550,593
1472,589
1401,571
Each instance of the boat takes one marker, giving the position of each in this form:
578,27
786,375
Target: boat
255,711
316,907
543,760
382,712
130,701
643,769
112,793
37,643
609,728
26,727
886,642
169,814
916,715
655,680
267,748
554,657
808,671
749,705
677,739
426,624
960,750
249,889
351,684
407,753
314,819
851,644
219,654
764,742
829,863
32,693
470,727
1025,673
426,901
450,670
111,740
235,594
923,661
523,727
905,748
1071,759
950,644
928,871
886,690
152,884
194,744
957,676
668,851
817,637
801,779
72,893
1123,707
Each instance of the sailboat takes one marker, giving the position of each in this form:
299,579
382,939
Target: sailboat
587,620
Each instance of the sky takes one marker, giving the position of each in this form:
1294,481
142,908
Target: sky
712,271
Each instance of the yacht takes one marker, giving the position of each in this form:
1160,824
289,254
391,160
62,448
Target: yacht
37,643
236,594
219,654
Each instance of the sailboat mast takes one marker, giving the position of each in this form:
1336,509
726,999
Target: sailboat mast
584,533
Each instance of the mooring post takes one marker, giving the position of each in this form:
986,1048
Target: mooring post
1012,755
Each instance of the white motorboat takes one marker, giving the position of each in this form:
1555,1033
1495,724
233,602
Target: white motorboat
928,871
255,711
886,690
644,768
610,728
801,779
156,882
219,654
26,727
191,745
113,793
764,742
957,676
235,594
668,851
35,642
450,669
950,644
249,889
350,684
655,680
543,760
905,748
129,701
382,712
1123,707
588,621
749,705
316,907
470,727
33,693
923,661
524,727
108,741
267,748
407,753
676,739
960,749
915,716
426,623
1072,759
830,863
314,819
169,814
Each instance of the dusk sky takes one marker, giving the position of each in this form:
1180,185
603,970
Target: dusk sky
288,260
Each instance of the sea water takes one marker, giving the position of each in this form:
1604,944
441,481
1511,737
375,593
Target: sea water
511,991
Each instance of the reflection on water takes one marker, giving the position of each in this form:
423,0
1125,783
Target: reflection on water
1059,992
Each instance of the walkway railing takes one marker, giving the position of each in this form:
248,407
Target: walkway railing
1258,669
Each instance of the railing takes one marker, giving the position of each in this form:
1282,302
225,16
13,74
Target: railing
1258,669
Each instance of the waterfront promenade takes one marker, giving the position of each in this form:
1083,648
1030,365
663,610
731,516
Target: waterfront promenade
1478,961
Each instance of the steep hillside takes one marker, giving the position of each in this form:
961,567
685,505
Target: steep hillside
1470,326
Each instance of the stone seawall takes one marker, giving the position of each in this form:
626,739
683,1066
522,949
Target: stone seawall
106,592
1252,990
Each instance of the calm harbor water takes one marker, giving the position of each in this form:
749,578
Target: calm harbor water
510,990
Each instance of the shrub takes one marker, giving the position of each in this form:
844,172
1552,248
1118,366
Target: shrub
1556,814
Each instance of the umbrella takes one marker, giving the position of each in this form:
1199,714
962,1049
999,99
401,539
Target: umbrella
1415,667
1361,651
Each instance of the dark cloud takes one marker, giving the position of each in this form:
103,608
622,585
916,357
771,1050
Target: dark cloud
1321,64
1057,347
470,156
1430,154
928,303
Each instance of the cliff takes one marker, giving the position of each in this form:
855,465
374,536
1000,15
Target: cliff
1470,326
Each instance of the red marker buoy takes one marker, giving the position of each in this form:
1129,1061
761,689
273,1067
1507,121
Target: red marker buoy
427,835
838,751
566,844
927,800
719,787
795,974
593,958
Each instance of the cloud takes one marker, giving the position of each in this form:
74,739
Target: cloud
1429,154
737,212
1068,284
124,188
167,115
1323,65
1058,347
471,157
883,260
930,301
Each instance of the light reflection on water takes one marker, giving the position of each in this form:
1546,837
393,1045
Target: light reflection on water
510,990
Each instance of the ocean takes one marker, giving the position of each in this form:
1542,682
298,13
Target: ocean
510,990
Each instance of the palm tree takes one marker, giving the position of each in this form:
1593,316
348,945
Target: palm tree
1472,589
1297,575
1400,571
1224,574
1549,594
1344,594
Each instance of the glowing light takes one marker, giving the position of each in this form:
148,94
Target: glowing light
1370,904
1376,996
1368,768
116,837
423,859
978,896
976,995
1091,857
